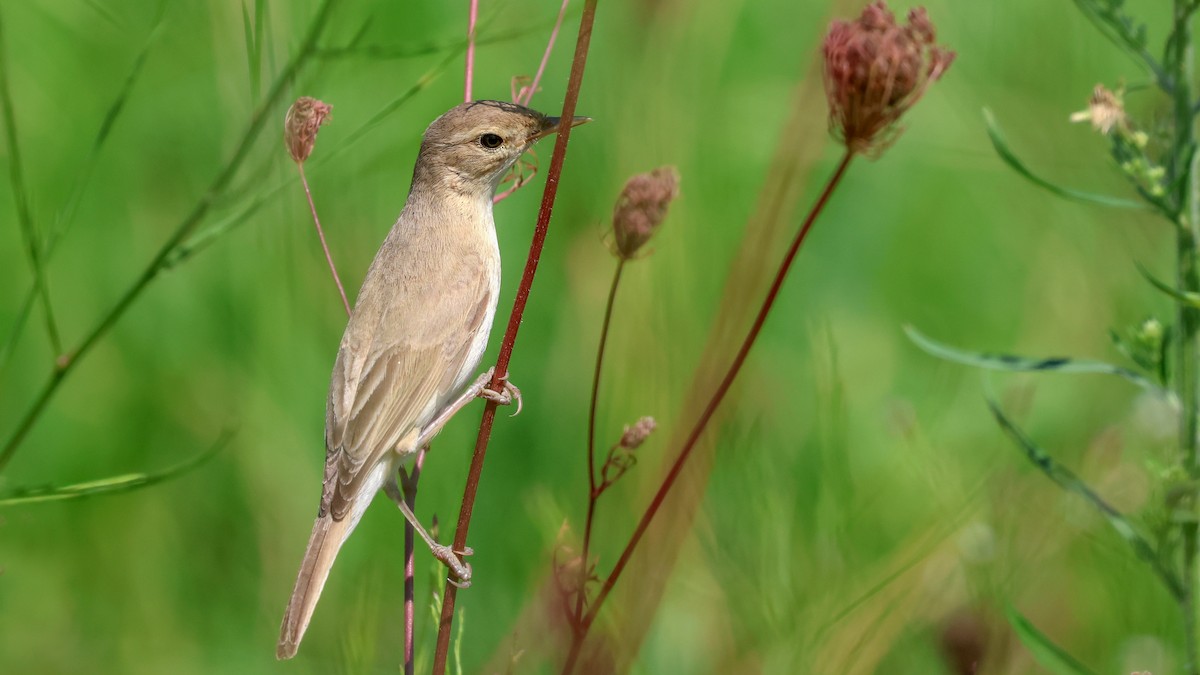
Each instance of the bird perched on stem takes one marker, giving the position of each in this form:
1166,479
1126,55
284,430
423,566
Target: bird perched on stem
418,330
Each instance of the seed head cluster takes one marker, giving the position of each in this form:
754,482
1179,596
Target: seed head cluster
642,207
875,70
304,119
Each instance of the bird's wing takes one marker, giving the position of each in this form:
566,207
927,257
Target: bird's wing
391,383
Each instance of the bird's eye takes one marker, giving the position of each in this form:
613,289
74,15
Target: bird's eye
491,141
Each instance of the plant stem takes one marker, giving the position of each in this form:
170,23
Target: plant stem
324,245
537,78
574,82
1187,357
468,78
593,494
408,486
68,361
718,395
21,197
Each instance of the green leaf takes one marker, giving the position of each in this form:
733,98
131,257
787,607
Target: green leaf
1010,158
1067,480
1051,656
1107,16
1189,298
112,485
1013,363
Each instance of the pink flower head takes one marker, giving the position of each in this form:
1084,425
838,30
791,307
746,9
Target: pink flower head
642,207
875,70
300,127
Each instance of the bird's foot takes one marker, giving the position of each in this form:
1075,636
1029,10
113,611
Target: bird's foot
511,393
460,569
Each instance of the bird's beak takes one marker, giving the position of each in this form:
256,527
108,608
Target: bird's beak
551,124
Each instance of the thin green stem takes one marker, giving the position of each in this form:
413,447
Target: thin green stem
165,254
706,415
593,493
1187,357
21,198
312,208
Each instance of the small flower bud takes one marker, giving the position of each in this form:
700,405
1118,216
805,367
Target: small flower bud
637,434
642,207
300,127
875,70
1106,111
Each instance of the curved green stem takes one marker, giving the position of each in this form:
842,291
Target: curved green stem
162,259
593,492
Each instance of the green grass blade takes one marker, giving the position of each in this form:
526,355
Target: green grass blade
1010,158
107,486
1054,658
420,85
1023,364
67,215
10,345
25,221
252,32
1189,298
1067,480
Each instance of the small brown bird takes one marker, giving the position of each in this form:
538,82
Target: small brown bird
418,330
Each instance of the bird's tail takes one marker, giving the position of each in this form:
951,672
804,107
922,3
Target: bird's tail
323,546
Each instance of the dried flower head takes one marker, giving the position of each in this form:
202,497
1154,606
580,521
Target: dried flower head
1106,111
638,433
300,127
875,70
642,207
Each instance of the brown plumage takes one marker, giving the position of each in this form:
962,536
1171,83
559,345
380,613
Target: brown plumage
419,326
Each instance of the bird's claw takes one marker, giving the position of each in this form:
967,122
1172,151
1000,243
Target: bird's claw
511,393
461,570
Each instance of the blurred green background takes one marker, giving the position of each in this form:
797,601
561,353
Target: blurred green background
865,511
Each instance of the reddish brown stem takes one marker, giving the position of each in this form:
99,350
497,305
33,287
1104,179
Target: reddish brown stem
312,207
514,321
472,17
408,483
593,491
701,423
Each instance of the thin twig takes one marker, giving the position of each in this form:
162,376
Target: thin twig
574,82
324,245
472,17
408,483
718,395
185,228
537,78
593,492
21,198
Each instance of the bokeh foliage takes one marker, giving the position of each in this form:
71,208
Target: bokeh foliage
864,497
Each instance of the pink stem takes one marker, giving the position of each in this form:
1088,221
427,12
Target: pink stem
472,17
324,246
545,56
409,483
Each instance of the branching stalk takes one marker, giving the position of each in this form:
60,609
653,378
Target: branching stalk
705,416
593,491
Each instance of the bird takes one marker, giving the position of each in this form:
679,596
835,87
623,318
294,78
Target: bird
418,330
